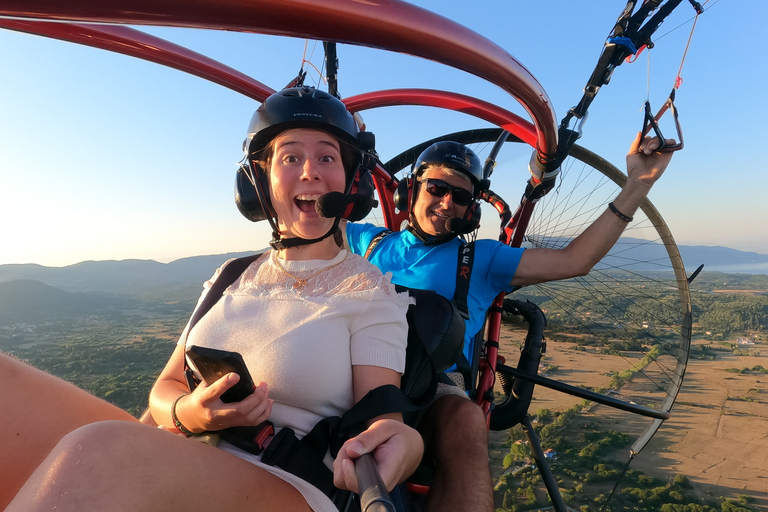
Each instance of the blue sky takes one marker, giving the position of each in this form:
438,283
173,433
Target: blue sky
104,156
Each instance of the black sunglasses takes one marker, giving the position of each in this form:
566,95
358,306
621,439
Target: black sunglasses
439,188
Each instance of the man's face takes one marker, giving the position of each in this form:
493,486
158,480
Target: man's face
432,211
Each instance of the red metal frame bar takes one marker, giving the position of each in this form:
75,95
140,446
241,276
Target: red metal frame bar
139,44
494,114
386,24
385,183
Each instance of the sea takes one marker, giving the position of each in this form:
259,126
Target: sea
743,268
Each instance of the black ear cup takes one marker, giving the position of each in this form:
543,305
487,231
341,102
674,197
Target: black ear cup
363,188
400,196
254,204
471,218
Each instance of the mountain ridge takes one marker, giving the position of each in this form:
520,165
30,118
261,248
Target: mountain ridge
149,277
122,277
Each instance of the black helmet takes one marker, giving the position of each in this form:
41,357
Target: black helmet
454,156
303,107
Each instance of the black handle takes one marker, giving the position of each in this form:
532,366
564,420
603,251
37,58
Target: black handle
374,496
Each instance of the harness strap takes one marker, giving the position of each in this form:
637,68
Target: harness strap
301,458
463,270
228,275
463,275
374,242
304,457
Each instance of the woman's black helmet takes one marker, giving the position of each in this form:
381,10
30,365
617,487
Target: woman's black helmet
303,107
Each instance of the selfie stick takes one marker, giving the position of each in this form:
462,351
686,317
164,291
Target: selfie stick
373,494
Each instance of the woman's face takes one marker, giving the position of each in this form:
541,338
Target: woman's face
305,164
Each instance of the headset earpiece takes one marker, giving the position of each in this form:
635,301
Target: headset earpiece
362,186
252,199
472,218
400,196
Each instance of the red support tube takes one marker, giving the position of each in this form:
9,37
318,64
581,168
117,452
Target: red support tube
386,24
139,44
494,114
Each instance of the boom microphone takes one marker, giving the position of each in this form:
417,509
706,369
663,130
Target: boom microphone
332,204
459,226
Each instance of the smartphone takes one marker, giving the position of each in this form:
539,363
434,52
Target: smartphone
213,364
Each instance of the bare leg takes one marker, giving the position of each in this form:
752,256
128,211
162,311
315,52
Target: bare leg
116,465
39,409
456,438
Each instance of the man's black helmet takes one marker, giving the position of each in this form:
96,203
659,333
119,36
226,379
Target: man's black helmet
454,156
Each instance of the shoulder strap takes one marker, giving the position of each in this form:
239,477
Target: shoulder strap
374,242
463,275
228,275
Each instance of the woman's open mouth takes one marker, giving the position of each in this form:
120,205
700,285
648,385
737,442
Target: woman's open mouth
306,202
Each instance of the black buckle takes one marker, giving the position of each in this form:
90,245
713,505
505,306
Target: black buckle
250,439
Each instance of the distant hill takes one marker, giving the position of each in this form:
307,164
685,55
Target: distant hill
31,301
185,276
694,255
714,258
125,277
644,254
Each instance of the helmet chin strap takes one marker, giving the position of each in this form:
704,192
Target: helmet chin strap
279,243
415,229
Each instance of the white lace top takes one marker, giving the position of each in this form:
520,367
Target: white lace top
304,342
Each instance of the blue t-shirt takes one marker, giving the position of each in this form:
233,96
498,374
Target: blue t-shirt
433,267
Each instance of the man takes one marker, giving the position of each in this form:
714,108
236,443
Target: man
445,180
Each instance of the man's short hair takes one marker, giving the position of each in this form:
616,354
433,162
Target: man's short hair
449,171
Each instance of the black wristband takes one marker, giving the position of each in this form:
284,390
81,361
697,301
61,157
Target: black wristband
176,423
620,215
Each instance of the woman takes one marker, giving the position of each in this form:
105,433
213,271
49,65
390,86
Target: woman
317,327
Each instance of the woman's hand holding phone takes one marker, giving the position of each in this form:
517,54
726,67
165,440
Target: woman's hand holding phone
204,404
226,397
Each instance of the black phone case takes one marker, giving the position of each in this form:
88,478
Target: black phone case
213,364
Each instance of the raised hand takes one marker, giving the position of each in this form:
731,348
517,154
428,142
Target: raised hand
644,163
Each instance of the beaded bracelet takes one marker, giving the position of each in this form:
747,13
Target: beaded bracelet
176,423
625,218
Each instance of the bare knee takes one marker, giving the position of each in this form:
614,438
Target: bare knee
99,433
87,465
462,414
93,447
453,424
